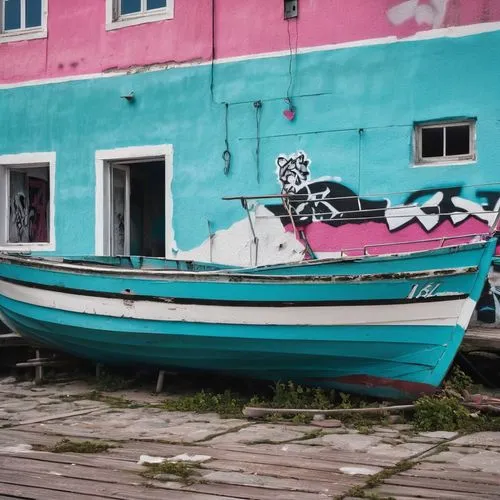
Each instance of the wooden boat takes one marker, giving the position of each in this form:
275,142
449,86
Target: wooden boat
387,326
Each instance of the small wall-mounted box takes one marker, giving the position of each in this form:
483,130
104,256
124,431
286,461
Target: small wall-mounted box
291,9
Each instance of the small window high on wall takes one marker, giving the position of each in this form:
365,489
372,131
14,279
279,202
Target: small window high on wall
22,19
122,13
26,202
445,142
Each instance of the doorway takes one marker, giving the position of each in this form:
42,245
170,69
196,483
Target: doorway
133,202
136,207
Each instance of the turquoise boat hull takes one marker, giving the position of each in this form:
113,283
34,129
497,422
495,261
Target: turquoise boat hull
385,326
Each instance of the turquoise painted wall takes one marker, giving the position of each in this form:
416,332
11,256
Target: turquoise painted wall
382,89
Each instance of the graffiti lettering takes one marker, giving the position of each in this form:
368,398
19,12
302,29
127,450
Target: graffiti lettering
334,204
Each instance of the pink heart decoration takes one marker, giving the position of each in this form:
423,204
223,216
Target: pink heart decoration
289,114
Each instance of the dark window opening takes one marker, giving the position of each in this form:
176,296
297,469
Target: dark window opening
432,142
458,140
445,142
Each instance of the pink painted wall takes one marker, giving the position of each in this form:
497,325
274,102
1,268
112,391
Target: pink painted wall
79,44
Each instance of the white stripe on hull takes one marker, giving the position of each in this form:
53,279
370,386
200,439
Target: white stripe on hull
440,313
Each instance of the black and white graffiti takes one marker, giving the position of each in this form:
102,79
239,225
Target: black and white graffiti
321,200
328,201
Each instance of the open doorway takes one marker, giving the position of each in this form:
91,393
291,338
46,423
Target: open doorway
136,207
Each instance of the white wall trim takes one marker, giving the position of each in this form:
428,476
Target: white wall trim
103,156
28,160
28,33
454,32
112,23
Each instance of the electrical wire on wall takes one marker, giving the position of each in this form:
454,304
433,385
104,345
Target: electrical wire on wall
213,53
258,115
292,68
226,155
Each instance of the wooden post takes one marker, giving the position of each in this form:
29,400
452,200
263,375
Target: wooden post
38,370
159,382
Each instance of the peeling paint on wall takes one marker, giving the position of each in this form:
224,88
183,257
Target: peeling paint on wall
235,245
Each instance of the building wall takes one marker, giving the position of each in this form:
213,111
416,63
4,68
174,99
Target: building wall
78,42
355,107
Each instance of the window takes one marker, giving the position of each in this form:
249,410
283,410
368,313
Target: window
26,202
22,19
445,142
122,13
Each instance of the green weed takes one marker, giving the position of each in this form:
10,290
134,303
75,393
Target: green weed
440,414
185,471
69,446
226,404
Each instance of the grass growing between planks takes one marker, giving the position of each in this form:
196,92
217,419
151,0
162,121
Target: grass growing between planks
185,472
362,491
69,446
112,401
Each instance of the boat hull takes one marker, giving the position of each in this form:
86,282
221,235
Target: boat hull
393,335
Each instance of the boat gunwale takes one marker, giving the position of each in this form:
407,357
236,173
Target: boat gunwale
256,278
245,274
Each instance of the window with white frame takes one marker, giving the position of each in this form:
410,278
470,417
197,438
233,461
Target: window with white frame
121,13
26,202
445,142
22,19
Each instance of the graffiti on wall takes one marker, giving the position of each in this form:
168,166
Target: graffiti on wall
333,218
29,198
427,13
38,198
328,201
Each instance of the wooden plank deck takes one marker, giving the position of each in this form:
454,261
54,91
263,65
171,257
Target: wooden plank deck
234,472
287,467
231,474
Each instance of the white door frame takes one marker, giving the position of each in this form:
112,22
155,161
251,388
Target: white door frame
102,158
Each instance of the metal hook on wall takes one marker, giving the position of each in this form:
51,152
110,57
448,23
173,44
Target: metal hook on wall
226,155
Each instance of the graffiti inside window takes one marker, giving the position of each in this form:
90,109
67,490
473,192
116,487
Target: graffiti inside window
29,205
